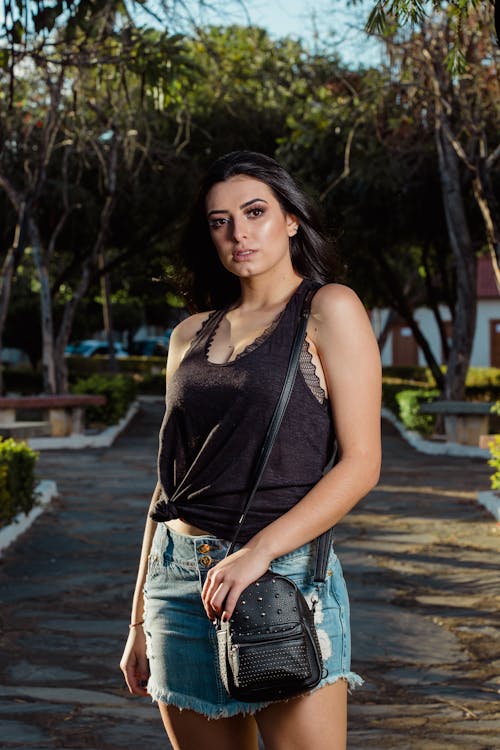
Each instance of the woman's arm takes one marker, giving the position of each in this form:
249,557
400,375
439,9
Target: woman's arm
134,663
342,335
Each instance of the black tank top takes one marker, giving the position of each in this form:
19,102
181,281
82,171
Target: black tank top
215,422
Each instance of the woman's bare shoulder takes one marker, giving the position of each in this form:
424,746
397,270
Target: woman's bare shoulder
181,338
185,331
332,301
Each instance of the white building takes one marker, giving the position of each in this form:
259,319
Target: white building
401,348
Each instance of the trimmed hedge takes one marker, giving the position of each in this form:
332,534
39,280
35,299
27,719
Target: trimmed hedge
120,391
482,377
390,389
79,367
151,385
407,373
483,384
409,409
17,479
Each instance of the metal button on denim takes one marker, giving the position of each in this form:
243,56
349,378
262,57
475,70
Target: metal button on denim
206,560
204,548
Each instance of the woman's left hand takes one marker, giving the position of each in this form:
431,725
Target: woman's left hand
226,580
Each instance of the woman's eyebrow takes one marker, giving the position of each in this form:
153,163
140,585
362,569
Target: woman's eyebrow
243,205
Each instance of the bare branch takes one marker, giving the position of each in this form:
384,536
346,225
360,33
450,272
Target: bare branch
347,164
490,161
13,195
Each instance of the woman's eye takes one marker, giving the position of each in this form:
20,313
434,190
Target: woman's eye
255,212
216,223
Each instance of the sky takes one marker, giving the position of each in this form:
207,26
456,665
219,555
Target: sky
314,22
329,21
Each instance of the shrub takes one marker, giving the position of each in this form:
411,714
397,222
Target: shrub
152,385
408,373
409,409
494,448
17,479
483,376
487,392
79,367
120,391
390,389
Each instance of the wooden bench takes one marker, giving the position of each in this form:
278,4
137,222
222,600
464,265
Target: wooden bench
464,421
62,415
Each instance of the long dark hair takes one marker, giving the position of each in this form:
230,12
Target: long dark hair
212,286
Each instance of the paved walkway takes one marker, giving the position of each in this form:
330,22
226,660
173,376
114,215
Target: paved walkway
421,559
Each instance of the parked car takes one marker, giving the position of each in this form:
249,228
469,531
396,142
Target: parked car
154,346
93,347
12,356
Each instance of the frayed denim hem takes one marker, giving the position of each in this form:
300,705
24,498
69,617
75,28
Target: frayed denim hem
238,708
209,710
353,680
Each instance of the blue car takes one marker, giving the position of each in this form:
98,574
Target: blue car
93,347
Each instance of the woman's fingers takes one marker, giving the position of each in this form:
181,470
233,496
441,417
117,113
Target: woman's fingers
135,666
220,595
214,594
136,680
226,580
229,604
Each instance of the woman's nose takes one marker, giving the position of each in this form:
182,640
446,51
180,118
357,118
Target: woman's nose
239,229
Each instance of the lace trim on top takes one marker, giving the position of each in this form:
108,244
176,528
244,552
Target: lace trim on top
263,336
310,375
252,345
201,331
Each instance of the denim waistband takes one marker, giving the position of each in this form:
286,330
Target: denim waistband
208,549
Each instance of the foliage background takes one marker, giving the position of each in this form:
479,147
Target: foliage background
109,116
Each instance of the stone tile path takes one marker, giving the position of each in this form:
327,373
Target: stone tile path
421,560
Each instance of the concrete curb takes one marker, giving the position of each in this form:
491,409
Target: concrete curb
490,500
429,446
75,442
46,491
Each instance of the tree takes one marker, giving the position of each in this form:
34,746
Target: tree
383,137
463,112
72,141
385,14
132,135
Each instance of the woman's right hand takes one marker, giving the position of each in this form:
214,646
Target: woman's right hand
134,663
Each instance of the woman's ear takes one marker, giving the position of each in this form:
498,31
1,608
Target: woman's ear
292,225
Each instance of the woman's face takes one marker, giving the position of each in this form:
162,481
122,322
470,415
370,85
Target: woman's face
248,227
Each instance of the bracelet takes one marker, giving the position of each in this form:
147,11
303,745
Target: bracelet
135,624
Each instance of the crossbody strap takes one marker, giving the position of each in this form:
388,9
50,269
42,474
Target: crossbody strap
272,431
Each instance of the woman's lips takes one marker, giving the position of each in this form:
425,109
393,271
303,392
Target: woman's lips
242,255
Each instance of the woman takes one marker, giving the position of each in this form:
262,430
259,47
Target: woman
255,249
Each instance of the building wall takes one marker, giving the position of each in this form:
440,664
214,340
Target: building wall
487,310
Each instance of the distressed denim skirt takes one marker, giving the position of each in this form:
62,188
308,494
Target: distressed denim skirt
182,642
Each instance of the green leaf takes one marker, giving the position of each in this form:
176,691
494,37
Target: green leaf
17,32
4,59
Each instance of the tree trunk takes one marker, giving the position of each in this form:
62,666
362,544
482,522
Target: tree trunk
397,291
107,315
485,199
464,325
384,333
48,363
64,333
433,300
12,260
